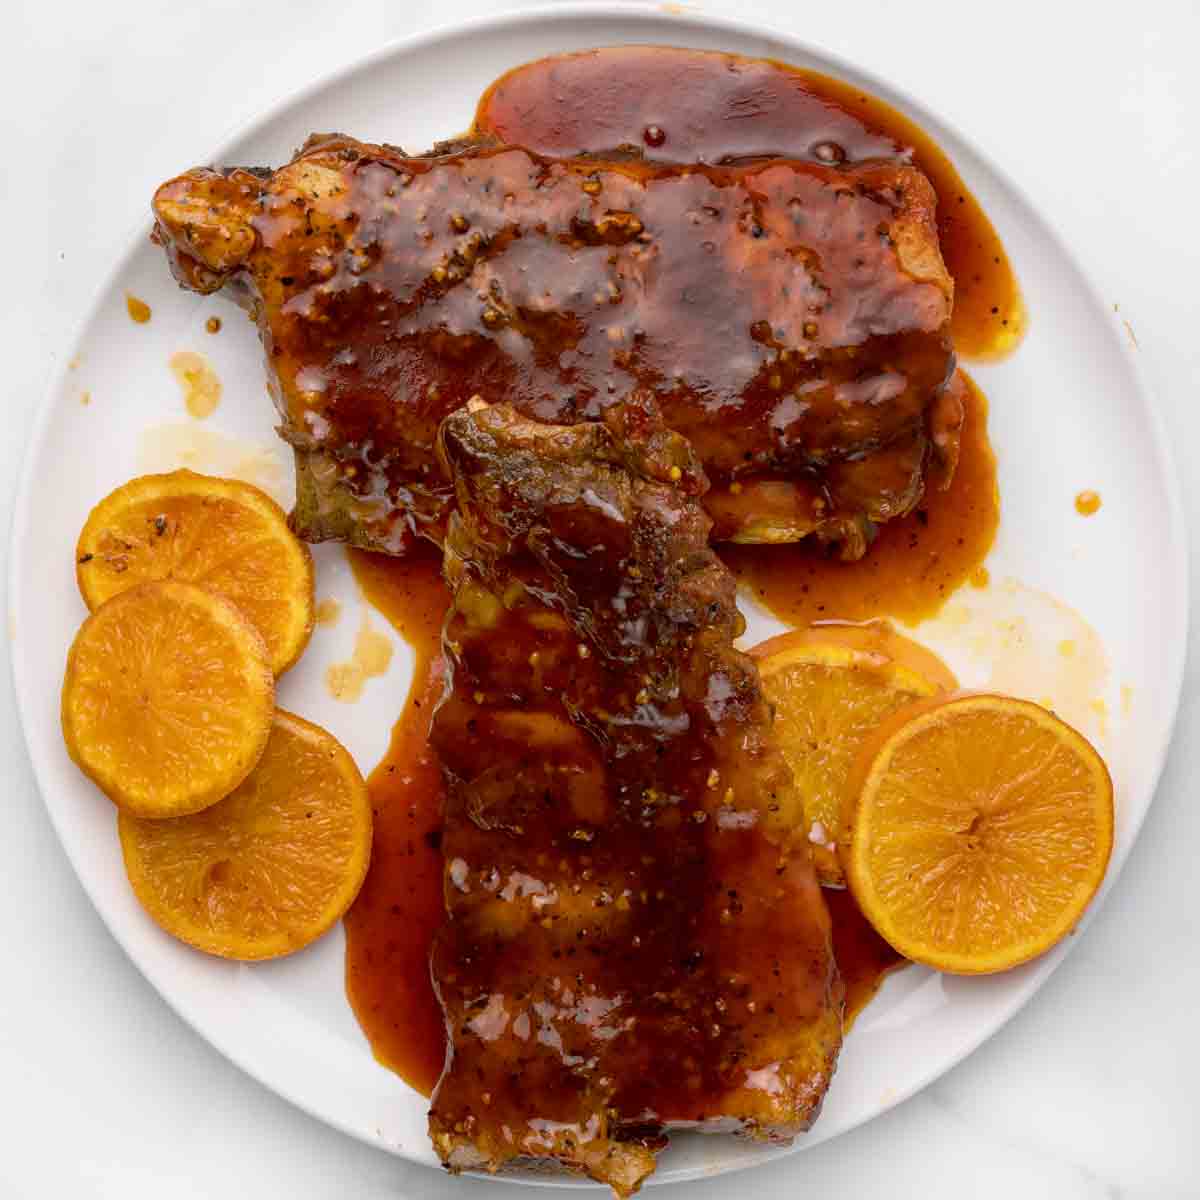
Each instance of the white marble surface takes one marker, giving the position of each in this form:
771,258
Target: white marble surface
1090,1092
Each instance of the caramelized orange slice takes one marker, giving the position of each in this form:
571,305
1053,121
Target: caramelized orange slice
831,686
272,866
168,698
227,536
980,831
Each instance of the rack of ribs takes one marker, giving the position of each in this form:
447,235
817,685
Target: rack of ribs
791,319
635,939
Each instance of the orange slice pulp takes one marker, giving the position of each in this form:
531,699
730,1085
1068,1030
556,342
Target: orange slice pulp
976,831
168,698
271,867
831,685
222,534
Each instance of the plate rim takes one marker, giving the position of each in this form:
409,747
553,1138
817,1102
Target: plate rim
1176,577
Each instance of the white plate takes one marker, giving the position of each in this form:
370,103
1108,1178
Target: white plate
1070,410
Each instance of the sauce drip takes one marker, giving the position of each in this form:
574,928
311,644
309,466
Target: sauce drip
200,384
864,959
915,563
328,611
391,925
138,310
345,681
696,106
791,320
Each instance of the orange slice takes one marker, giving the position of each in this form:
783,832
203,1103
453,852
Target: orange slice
981,830
227,536
168,698
831,686
272,866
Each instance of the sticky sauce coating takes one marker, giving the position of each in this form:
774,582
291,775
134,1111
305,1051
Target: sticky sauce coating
791,319
390,929
694,106
635,937
915,564
644,98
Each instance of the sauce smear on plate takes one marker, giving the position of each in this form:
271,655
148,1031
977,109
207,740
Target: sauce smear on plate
391,924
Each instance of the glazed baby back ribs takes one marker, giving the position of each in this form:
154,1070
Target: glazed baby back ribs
791,318
635,937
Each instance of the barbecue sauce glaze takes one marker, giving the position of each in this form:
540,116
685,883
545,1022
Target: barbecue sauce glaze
681,106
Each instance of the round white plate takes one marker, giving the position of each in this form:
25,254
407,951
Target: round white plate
1069,411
